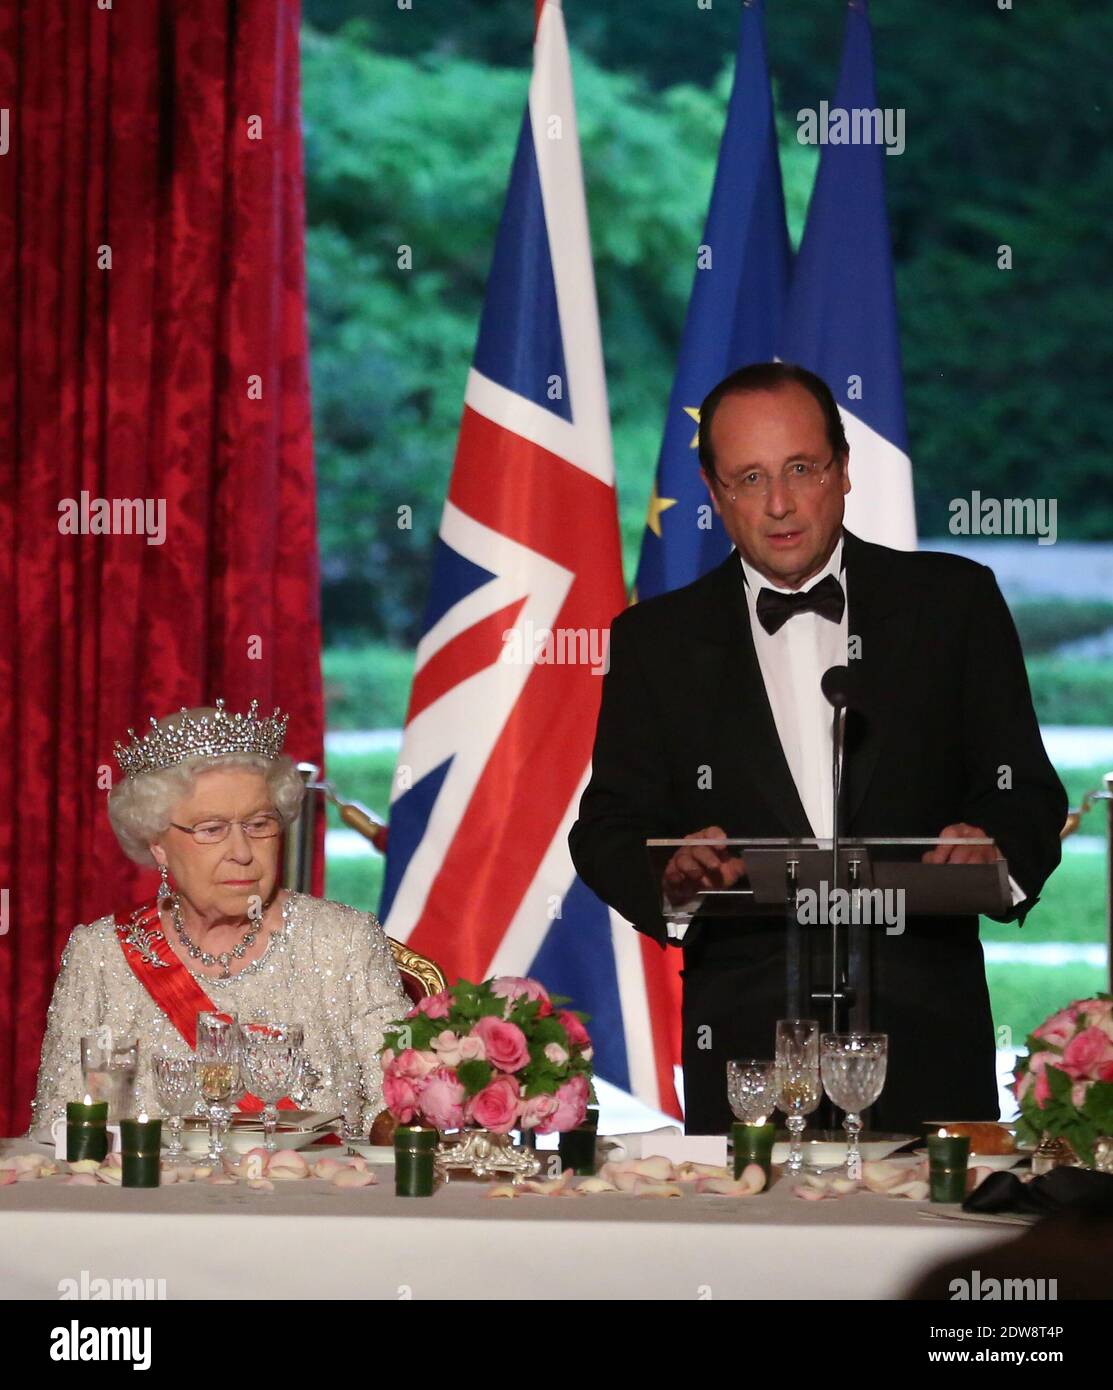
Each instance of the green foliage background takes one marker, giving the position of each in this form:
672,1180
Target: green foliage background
411,117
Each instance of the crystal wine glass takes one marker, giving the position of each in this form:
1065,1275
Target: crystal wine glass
216,1068
109,1064
853,1070
798,1084
752,1090
271,1056
176,1088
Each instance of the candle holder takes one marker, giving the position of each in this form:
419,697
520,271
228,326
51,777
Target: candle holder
753,1144
948,1158
577,1149
86,1132
414,1160
140,1143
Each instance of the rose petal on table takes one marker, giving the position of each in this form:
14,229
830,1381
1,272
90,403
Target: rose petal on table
38,1164
84,1165
80,1180
260,1184
221,1180
7,1175
202,1171
32,1175
748,1184
110,1174
502,1189
976,1176
596,1184
657,1169
543,1187
813,1192
113,1159
648,1188
812,1187
287,1163
691,1171
881,1175
327,1167
353,1177
916,1190
167,1174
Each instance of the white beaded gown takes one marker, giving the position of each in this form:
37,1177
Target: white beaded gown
328,967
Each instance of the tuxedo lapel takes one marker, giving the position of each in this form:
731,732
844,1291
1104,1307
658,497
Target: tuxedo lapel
749,747
881,626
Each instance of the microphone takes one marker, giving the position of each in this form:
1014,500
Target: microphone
836,686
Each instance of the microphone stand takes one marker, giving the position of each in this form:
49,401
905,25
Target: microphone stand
836,777
836,688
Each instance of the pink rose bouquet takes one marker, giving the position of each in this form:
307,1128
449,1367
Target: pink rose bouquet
500,1055
1064,1087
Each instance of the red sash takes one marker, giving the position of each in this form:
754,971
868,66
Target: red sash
171,986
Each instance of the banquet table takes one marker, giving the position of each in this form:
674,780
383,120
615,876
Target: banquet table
309,1239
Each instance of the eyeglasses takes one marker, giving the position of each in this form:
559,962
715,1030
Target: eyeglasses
799,476
211,832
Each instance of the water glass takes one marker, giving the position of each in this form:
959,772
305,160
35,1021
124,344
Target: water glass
176,1090
109,1065
271,1058
853,1069
752,1090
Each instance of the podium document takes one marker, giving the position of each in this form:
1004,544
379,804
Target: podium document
868,886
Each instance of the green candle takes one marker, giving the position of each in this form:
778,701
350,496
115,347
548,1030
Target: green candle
86,1135
414,1149
948,1156
577,1149
140,1142
753,1144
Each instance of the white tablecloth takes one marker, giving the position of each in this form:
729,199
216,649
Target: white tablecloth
308,1239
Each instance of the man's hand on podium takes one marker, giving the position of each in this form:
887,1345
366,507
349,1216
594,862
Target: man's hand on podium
962,854
693,871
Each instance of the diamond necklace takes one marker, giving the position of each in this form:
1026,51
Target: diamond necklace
224,959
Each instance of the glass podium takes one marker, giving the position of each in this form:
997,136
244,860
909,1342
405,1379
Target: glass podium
849,893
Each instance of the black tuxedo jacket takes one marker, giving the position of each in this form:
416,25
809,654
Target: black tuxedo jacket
946,733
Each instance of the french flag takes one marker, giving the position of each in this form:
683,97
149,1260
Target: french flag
841,320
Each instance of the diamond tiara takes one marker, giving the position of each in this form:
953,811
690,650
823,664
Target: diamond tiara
211,736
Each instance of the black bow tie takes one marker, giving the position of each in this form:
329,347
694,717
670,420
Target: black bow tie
826,598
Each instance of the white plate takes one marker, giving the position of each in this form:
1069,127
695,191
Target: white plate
1000,1163
373,1153
829,1153
297,1129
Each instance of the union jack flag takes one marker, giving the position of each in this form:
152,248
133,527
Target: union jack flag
527,577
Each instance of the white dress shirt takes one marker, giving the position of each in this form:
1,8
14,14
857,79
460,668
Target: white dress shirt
793,660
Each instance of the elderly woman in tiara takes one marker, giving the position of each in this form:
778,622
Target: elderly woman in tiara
205,798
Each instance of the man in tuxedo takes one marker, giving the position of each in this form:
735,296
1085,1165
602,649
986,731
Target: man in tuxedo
713,725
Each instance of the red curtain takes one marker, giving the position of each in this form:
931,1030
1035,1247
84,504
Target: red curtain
152,351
